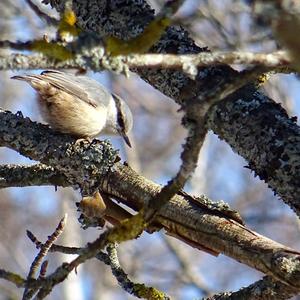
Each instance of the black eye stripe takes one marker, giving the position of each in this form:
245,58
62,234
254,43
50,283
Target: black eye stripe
120,115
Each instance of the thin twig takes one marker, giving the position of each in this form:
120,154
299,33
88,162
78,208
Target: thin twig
189,156
69,250
195,113
44,249
13,278
65,269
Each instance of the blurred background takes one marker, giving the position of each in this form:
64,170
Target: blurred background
156,260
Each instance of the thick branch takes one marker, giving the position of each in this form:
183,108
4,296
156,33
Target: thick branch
263,289
77,161
196,221
200,226
39,174
127,19
271,144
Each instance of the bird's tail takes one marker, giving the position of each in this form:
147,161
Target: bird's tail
27,78
36,81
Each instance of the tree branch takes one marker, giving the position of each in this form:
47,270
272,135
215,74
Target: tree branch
263,289
38,142
44,249
197,221
32,175
282,145
185,61
136,289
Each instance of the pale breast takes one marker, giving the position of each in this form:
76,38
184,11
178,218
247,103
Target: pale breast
67,114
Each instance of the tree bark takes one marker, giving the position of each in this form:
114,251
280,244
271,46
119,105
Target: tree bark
254,125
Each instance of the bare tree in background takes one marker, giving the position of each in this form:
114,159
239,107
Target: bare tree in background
240,89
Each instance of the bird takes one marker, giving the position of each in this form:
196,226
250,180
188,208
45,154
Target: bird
79,106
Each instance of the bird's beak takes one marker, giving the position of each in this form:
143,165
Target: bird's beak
126,139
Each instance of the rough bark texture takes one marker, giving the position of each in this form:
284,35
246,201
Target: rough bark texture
265,289
76,161
199,222
34,175
271,145
254,126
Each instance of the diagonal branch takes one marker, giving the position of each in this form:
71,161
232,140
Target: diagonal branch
136,289
128,229
197,221
194,120
189,158
251,108
110,259
44,249
265,288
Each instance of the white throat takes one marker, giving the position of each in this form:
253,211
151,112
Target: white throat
111,118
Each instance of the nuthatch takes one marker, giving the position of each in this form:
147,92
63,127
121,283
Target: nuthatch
79,105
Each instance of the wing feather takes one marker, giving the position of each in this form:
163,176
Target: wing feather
70,84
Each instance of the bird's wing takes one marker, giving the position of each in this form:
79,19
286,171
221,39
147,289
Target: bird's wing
83,88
